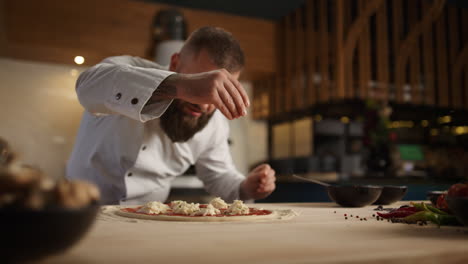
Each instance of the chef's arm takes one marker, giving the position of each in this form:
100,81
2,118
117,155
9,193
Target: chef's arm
125,85
122,85
217,87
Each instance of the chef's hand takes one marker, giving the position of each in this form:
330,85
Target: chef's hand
259,183
219,88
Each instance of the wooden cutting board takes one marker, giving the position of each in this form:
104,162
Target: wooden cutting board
320,234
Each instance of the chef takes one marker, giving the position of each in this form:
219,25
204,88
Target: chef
144,125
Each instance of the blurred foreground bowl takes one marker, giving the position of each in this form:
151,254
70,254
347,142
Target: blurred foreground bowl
459,207
27,234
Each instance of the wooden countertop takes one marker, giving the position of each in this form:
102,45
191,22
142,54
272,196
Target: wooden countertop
317,235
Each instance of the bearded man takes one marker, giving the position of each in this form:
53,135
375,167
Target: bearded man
144,125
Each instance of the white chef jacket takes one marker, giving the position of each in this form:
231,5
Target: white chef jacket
121,147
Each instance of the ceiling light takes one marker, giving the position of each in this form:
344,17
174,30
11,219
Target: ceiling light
79,60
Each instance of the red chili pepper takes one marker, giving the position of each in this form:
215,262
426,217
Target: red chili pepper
408,208
399,213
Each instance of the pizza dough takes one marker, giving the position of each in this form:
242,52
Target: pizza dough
185,212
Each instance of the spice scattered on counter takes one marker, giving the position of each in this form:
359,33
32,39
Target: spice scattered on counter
346,218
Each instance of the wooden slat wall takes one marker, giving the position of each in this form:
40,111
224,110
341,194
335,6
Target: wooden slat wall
310,50
454,48
364,56
340,76
383,77
415,60
281,69
299,57
278,95
465,41
289,64
442,63
397,21
466,85
421,49
324,91
350,83
428,62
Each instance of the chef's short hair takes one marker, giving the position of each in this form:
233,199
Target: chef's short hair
223,48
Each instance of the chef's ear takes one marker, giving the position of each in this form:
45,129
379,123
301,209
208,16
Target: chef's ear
174,61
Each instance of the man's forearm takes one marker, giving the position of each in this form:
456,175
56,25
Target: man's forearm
166,90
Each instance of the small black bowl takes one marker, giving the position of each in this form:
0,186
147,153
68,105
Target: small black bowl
34,234
354,195
459,207
391,194
434,195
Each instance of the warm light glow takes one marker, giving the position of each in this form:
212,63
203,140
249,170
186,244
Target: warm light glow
79,60
444,119
401,124
424,123
434,132
318,118
344,119
460,130
74,72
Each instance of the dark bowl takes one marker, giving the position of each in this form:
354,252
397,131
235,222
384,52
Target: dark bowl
34,234
391,194
459,207
354,195
434,195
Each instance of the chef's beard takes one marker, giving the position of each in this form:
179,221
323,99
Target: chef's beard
180,127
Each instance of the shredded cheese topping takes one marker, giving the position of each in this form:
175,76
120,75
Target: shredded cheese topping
154,208
209,210
219,203
185,208
238,208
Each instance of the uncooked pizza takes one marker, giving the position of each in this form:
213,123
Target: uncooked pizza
215,211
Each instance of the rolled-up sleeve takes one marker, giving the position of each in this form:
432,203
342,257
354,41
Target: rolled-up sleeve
122,85
216,168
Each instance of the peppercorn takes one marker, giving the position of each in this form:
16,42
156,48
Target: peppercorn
346,218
